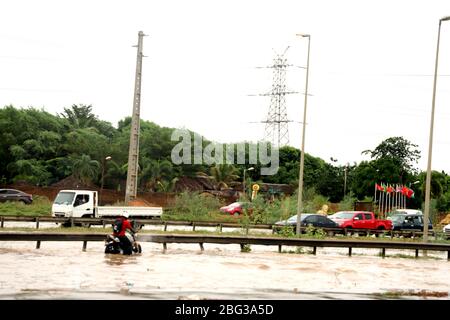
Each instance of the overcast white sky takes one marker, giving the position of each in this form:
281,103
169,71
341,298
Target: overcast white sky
371,67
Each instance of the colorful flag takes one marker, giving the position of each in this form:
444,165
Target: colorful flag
408,192
378,187
389,189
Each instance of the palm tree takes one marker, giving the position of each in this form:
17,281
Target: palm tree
166,186
85,169
80,116
117,173
154,173
222,174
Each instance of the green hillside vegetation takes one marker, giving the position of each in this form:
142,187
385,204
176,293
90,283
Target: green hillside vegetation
41,148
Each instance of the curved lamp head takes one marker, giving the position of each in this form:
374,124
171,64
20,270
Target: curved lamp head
304,35
445,18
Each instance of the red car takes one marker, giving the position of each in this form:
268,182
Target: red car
237,208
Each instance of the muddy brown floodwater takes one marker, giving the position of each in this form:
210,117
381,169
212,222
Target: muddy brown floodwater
62,271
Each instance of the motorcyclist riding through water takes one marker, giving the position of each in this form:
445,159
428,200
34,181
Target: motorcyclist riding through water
123,239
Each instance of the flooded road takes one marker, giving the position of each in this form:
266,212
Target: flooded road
62,271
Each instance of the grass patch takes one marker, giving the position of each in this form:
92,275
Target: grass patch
212,216
41,206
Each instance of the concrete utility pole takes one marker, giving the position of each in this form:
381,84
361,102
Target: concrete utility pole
133,153
302,157
430,143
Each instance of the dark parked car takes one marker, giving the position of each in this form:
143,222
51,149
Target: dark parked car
403,221
316,220
15,195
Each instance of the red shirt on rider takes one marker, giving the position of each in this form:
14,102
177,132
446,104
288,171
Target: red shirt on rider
125,225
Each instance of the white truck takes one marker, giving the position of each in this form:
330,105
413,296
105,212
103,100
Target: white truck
84,204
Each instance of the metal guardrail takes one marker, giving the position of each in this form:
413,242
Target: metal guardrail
216,224
241,240
105,221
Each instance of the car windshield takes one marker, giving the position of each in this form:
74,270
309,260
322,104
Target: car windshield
343,215
65,198
398,218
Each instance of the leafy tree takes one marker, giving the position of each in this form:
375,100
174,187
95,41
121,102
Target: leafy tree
87,141
401,152
364,177
33,171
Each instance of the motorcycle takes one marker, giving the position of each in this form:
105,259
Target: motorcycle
114,246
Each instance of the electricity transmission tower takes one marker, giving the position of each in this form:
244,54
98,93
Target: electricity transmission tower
276,130
133,153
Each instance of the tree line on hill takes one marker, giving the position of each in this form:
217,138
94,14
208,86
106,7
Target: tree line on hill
41,148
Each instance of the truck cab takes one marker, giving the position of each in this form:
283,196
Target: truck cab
75,204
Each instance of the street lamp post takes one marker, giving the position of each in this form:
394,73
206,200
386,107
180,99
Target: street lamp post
430,143
345,179
243,181
103,174
302,157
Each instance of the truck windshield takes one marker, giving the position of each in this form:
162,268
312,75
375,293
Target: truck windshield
64,198
343,215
